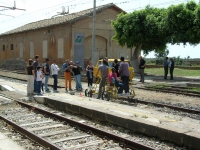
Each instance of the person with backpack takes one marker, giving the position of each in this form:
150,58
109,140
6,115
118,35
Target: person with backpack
67,74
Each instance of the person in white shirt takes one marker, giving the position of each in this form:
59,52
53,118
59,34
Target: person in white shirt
39,79
54,72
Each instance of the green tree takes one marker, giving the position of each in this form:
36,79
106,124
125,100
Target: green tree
143,29
182,24
162,54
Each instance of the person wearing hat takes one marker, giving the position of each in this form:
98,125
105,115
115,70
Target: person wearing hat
39,79
77,73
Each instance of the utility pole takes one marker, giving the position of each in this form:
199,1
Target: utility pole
93,33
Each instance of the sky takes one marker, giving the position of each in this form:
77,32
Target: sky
44,9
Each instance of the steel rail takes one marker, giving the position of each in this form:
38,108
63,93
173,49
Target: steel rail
124,141
167,91
167,106
31,135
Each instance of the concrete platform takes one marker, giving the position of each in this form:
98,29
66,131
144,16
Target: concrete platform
146,120
8,144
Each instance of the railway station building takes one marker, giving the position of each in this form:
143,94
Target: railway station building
65,37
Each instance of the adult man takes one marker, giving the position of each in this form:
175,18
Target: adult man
165,63
77,73
35,64
106,60
104,74
67,75
46,74
54,72
142,64
171,66
124,72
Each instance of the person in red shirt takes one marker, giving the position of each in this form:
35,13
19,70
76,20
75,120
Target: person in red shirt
114,80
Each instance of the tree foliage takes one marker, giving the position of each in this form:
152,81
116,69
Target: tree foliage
145,27
181,23
154,28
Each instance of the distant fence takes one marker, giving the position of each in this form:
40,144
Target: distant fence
180,67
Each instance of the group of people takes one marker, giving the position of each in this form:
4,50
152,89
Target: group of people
119,76
39,75
72,69
168,66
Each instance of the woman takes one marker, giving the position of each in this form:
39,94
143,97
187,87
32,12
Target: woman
116,66
30,77
89,70
114,80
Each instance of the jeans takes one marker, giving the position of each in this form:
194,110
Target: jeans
120,87
55,81
39,85
30,85
35,86
101,84
78,82
125,83
46,82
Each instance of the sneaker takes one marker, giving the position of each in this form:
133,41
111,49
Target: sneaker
34,93
119,94
40,94
48,91
56,91
127,94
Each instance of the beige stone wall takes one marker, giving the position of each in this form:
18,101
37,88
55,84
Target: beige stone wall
105,46
36,37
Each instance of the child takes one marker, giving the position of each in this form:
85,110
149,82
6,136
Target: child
39,79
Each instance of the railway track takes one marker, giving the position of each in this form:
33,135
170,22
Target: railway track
135,100
174,90
56,132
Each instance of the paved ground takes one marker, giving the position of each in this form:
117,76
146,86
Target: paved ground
143,119
8,144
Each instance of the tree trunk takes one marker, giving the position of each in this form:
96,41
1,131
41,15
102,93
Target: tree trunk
134,58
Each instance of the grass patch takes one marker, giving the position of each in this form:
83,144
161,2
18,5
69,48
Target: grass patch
177,72
195,89
144,116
